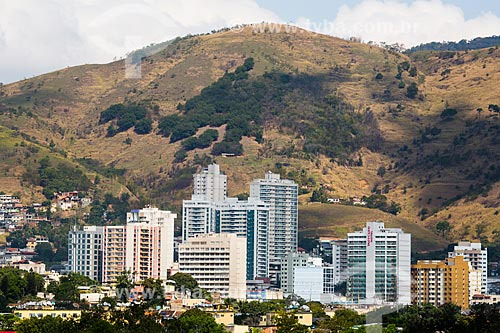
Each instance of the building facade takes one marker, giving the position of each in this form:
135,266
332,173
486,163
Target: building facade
340,260
379,265
477,256
211,211
217,262
314,283
197,217
288,264
249,219
282,197
85,251
144,246
210,184
441,281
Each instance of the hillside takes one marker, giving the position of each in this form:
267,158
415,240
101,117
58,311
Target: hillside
352,117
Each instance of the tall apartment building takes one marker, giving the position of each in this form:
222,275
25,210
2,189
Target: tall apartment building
477,256
85,251
211,211
210,184
197,217
340,260
441,281
144,246
282,197
217,262
249,219
288,264
379,265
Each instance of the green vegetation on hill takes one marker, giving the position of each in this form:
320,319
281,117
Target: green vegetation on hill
57,177
463,45
126,116
330,127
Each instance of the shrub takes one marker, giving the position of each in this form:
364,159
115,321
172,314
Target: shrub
180,156
448,113
143,126
412,90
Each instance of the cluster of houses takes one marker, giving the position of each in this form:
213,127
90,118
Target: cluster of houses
69,200
15,215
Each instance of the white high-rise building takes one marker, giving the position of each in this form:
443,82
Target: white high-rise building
282,197
144,246
217,262
85,251
211,211
248,219
197,217
379,265
477,256
210,184
340,260
245,218
288,264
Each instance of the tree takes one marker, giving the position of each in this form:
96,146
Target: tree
45,252
485,318
184,280
154,289
34,283
180,156
412,90
443,227
67,287
124,280
288,323
413,71
46,324
381,171
7,321
494,108
126,122
379,76
343,319
316,309
448,113
195,321
143,126
111,131
319,195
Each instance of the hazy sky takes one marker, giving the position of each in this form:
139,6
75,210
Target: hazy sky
37,36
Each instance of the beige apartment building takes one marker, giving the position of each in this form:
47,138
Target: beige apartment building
217,262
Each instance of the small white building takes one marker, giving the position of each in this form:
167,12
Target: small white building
314,283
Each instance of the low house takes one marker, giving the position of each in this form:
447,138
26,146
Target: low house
65,314
304,318
69,200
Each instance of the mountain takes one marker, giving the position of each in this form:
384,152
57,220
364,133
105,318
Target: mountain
413,133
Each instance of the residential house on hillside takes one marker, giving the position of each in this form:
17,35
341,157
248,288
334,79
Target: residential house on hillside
69,200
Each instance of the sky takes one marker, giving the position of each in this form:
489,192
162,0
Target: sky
38,36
